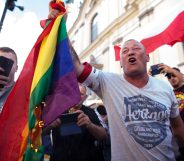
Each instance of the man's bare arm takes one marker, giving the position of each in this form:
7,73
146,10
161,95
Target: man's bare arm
178,129
77,64
97,131
167,69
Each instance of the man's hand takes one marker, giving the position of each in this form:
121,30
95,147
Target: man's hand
83,120
97,131
53,13
3,79
165,68
56,123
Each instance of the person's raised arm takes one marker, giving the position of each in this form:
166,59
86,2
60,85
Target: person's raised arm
77,64
167,69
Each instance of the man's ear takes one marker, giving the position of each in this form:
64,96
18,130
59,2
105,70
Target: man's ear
121,62
147,57
16,68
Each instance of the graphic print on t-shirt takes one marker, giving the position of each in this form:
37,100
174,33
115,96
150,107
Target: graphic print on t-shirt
180,98
145,120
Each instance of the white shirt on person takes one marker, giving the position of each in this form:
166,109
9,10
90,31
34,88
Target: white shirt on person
138,117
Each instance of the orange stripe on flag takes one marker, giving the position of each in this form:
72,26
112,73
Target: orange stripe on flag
24,142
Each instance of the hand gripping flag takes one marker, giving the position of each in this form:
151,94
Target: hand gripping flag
47,76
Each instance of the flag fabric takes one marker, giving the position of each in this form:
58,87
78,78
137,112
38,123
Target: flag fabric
62,88
172,34
117,52
47,76
14,116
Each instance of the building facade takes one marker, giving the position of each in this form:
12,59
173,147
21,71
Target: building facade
101,24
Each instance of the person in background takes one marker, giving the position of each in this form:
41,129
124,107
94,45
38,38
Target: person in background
101,112
106,144
7,82
175,78
80,146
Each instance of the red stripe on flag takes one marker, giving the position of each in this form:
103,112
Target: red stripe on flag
15,111
172,34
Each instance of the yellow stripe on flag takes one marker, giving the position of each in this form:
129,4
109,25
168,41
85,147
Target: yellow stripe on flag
46,53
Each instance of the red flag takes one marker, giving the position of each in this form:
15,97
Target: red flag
172,34
117,52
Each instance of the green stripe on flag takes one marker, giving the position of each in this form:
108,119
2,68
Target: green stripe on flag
62,31
32,155
38,94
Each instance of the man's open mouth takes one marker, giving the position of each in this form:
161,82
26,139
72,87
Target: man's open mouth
132,60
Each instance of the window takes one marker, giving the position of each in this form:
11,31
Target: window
94,27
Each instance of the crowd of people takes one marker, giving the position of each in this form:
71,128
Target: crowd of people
139,117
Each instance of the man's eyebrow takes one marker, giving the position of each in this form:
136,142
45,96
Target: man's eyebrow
136,45
124,47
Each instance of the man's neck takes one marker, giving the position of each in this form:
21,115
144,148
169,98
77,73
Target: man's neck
138,81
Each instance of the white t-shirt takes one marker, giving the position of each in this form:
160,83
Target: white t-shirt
138,117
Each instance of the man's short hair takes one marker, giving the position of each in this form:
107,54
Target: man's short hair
123,44
8,50
101,110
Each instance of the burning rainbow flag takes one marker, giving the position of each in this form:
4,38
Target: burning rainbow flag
47,76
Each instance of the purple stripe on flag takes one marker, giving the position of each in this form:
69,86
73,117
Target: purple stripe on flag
64,95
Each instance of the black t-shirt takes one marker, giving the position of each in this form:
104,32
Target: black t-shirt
180,97
78,147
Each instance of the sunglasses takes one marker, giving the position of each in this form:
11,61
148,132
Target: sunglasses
169,75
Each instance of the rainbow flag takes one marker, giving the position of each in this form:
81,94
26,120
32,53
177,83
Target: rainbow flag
47,76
